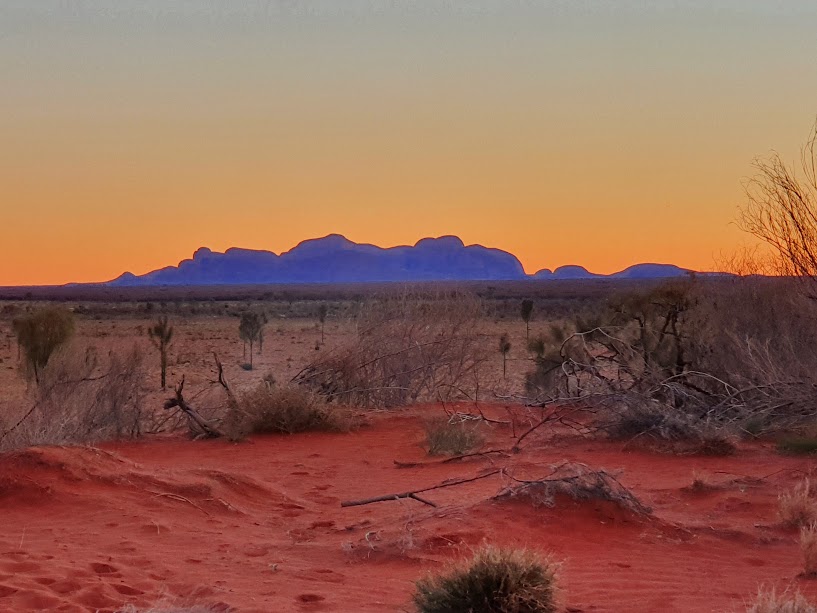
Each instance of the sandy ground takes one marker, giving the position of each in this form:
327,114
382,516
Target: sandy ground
258,526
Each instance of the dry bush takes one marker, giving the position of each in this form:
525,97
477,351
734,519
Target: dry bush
808,547
286,410
709,358
494,579
81,398
798,507
576,481
444,437
410,347
769,601
672,431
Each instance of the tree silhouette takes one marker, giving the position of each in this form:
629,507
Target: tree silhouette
249,329
781,210
526,311
504,348
322,312
40,334
161,335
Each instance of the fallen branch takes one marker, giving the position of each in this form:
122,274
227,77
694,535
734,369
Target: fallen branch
455,458
207,429
413,493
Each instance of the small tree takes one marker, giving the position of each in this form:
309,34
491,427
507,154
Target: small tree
264,322
781,210
504,348
40,334
526,311
249,329
322,312
161,335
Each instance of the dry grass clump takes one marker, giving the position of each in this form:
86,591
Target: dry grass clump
494,580
446,438
768,601
808,547
286,410
798,507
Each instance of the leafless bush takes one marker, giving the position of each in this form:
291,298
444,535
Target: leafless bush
769,601
695,361
82,397
409,348
447,437
576,481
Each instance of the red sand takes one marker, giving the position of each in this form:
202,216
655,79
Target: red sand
258,526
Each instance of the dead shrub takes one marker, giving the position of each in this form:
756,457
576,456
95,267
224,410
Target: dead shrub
444,437
410,347
798,507
667,430
769,601
494,579
82,398
576,481
808,547
285,410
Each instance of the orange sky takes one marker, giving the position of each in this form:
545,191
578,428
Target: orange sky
135,132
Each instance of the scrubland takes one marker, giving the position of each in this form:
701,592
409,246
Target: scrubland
393,448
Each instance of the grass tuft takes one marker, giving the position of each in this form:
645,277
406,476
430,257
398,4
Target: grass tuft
798,507
494,580
446,438
768,601
808,547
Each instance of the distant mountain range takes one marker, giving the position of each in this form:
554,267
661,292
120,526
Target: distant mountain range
336,259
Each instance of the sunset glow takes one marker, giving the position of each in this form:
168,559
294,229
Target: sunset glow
134,132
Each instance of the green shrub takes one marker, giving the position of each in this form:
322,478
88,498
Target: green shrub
493,581
446,438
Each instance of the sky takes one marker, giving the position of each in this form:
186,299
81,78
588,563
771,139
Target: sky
564,131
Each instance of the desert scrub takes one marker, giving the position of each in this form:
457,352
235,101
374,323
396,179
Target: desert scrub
446,438
494,580
287,410
798,507
768,601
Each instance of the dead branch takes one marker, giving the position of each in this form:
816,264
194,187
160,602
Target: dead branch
455,458
208,430
413,493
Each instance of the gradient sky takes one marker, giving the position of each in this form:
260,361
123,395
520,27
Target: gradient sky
595,133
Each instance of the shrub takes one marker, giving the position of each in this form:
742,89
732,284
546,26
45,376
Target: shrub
797,445
771,602
286,410
808,547
493,581
41,333
798,507
446,438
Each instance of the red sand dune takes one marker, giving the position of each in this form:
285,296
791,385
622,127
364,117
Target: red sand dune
258,526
